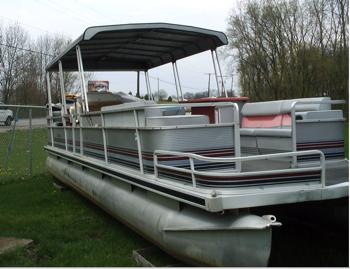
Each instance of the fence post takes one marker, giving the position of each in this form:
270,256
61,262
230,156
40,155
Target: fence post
9,147
30,144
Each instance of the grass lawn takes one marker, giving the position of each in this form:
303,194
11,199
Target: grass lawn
67,230
18,159
70,231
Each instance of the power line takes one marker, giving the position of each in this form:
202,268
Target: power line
61,10
24,49
173,84
73,11
85,5
25,24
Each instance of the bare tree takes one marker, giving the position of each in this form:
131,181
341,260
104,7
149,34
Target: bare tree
287,49
162,94
23,62
12,38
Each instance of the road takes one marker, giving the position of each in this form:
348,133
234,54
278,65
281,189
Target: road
24,124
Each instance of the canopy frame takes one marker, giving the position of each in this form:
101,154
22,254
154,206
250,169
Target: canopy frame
136,47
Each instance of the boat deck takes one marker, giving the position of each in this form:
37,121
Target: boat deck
336,171
218,199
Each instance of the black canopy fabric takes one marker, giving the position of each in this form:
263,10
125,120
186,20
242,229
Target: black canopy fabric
136,47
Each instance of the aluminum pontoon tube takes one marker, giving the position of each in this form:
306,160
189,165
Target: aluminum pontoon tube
190,234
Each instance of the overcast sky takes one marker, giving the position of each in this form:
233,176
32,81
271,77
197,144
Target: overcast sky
72,17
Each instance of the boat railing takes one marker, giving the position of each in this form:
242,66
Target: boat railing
136,126
236,173
293,111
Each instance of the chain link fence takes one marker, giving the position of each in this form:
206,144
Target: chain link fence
23,134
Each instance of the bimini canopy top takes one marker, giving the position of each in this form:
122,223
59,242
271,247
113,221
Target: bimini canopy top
136,46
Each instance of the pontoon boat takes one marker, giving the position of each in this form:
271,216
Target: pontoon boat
184,175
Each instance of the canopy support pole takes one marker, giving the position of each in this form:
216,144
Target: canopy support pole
178,79
49,93
48,82
82,80
222,78
176,86
216,74
63,98
149,86
138,85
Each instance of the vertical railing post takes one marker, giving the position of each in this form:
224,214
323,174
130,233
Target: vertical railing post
74,125
105,149
81,139
294,135
30,144
192,172
323,171
155,165
236,133
138,141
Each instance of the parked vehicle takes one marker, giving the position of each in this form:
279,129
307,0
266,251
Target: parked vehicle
6,115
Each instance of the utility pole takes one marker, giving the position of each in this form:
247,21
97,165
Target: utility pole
209,74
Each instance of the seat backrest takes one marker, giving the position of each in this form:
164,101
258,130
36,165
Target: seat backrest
268,121
164,111
277,114
271,114
299,107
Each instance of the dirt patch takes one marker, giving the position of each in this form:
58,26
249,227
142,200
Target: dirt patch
11,243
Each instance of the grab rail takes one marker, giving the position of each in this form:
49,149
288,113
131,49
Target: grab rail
193,172
293,105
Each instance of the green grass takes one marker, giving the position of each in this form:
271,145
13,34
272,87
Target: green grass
68,230
18,157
